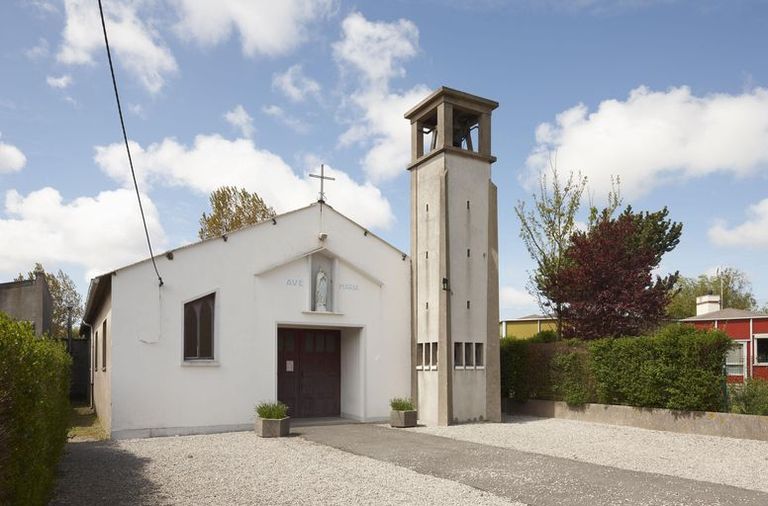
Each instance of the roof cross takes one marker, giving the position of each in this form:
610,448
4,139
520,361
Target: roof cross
322,177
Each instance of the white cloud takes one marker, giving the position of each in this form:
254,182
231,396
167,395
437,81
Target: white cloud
11,159
60,82
283,117
43,228
295,85
135,43
374,53
40,50
516,300
240,119
265,26
213,161
752,233
655,137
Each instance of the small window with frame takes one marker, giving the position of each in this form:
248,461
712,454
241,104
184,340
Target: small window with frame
104,345
479,356
434,356
427,356
199,328
469,357
96,351
419,356
458,355
761,349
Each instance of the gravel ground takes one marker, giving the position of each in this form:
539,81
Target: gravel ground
738,462
241,468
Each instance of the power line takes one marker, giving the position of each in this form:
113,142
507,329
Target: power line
127,147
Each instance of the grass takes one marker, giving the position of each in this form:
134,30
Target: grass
84,425
401,404
271,410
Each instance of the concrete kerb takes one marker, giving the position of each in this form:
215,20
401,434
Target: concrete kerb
705,423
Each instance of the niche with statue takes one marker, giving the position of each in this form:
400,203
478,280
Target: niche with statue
322,274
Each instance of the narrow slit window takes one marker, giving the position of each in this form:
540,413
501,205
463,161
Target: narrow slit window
96,351
427,355
104,345
468,255
434,355
479,357
468,355
419,356
467,304
458,355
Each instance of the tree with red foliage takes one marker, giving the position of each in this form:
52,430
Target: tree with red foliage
608,285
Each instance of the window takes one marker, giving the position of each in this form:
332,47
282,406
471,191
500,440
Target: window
734,360
104,345
198,328
96,352
458,355
761,348
479,357
427,355
420,356
434,356
469,358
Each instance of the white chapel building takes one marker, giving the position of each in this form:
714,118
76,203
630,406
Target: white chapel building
312,309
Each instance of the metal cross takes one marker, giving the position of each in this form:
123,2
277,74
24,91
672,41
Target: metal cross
322,177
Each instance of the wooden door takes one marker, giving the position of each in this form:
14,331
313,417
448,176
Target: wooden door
309,371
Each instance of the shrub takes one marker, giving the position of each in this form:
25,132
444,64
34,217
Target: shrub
271,410
401,404
514,368
544,336
34,412
751,398
572,378
679,367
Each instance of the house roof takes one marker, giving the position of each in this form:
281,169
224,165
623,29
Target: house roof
530,317
728,313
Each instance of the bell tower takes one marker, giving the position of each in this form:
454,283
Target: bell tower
454,254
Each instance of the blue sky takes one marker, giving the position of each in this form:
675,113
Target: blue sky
671,96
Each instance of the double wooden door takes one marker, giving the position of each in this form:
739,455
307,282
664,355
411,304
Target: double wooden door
309,371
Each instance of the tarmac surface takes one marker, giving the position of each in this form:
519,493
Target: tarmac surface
525,477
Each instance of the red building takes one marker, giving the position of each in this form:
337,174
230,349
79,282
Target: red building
748,328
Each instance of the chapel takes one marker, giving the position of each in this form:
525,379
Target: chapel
314,310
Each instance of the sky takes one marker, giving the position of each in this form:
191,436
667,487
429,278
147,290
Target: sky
670,96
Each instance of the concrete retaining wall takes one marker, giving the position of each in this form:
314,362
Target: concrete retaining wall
687,422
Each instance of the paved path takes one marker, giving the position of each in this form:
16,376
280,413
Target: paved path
521,476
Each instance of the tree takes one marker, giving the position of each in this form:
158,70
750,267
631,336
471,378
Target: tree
65,296
546,231
607,287
232,208
736,289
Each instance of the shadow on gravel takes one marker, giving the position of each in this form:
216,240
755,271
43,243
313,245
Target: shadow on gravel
101,472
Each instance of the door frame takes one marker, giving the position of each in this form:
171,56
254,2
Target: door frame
362,359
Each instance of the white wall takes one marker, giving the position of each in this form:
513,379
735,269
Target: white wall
256,291
102,377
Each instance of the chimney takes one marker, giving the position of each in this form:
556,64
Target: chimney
707,304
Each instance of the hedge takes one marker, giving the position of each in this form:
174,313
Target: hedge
679,367
34,412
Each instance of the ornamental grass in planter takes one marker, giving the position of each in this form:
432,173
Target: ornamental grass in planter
272,419
403,413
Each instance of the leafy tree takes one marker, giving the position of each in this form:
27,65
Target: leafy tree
232,208
737,292
65,296
607,286
546,231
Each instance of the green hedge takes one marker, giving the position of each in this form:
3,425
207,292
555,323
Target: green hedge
751,398
679,367
34,412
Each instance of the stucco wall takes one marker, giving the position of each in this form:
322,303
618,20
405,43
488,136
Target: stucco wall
28,300
102,376
261,282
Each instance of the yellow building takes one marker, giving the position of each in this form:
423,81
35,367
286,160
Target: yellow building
527,326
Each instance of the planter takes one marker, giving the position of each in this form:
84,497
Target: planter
402,418
272,427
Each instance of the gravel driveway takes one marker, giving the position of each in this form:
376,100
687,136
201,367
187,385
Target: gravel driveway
241,468
741,463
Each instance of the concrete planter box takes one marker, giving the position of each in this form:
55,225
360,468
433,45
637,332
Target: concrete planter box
271,427
686,422
402,418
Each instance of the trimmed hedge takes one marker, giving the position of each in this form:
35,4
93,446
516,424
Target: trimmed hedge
34,412
679,367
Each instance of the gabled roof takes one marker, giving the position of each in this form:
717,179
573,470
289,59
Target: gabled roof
530,317
728,313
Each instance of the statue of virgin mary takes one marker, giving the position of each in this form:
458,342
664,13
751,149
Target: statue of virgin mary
321,291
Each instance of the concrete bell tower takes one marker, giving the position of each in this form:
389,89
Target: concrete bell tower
454,254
